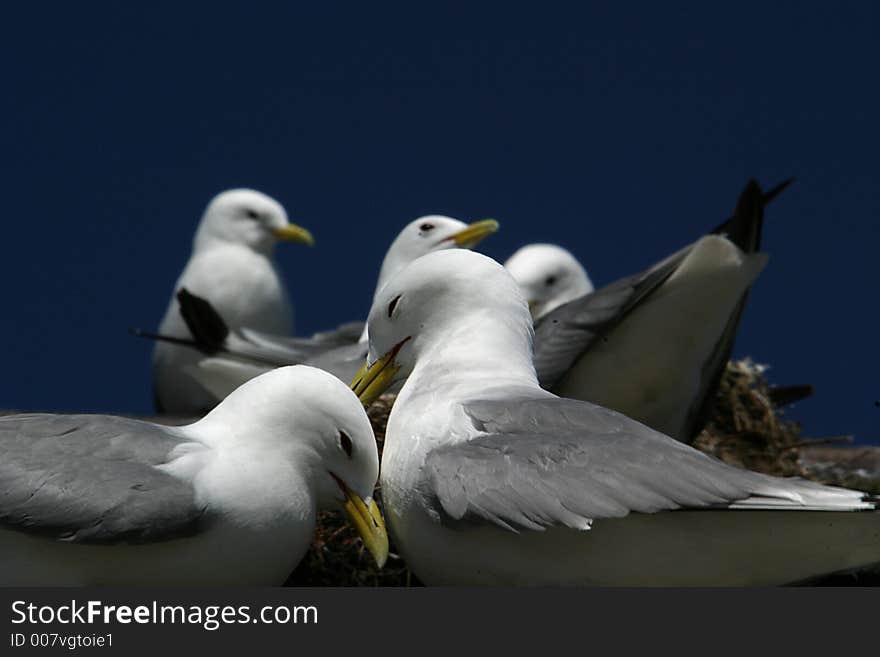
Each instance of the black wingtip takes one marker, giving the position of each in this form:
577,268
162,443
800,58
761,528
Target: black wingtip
776,191
745,226
784,395
204,322
158,337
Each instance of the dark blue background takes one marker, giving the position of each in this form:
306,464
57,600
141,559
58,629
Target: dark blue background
619,130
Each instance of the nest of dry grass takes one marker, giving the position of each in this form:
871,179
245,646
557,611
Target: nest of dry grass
747,428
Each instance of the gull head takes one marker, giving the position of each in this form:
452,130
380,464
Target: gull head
428,234
309,418
249,218
549,276
454,298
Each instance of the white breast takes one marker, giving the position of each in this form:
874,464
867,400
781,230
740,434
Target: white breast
246,289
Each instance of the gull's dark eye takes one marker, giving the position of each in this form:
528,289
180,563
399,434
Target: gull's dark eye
393,305
345,443
252,214
425,227
551,280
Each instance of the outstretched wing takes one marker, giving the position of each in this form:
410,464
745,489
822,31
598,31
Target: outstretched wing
212,336
566,333
744,229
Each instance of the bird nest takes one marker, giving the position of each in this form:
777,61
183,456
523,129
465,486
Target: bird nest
747,428
337,556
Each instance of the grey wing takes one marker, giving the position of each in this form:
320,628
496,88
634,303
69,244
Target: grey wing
342,362
91,479
274,350
547,462
277,351
566,333
211,335
341,336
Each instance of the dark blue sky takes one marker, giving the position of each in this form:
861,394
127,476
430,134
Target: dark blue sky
620,130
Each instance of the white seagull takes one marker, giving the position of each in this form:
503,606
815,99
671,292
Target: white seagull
654,345
239,355
487,478
230,499
232,264
548,276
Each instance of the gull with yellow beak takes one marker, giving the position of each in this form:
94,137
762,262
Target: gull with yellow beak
489,479
232,265
229,500
238,355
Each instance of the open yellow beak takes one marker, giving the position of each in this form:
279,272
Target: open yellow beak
372,380
475,233
294,233
368,521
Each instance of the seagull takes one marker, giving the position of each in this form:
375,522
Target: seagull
229,500
235,356
654,345
488,479
549,276
232,264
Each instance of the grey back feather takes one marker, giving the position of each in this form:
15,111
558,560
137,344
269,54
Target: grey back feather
569,331
90,479
342,362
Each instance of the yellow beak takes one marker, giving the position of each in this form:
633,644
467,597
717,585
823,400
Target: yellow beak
372,380
469,237
294,233
533,308
368,522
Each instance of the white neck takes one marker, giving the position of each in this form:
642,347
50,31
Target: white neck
390,266
477,354
206,240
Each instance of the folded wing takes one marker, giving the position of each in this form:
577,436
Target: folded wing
91,479
539,463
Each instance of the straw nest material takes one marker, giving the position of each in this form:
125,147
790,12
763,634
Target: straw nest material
747,428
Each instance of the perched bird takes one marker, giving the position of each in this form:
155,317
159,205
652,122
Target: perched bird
231,264
548,276
428,234
230,499
236,356
487,478
654,345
